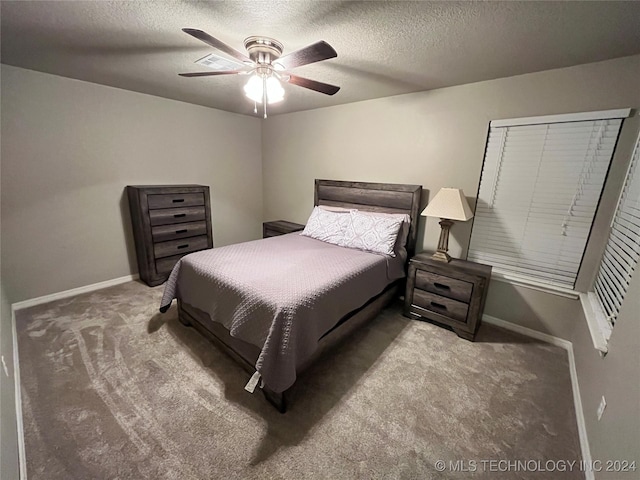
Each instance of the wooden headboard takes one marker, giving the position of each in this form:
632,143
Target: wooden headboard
374,197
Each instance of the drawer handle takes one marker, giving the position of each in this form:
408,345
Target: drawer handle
183,246
182,231
441,286
438,305
178,200
179,215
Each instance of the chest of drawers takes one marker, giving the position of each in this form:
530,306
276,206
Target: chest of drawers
451,293
168,222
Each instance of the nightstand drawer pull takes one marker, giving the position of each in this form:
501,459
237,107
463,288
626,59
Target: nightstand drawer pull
184,230
441,286
178,200
438,305
179,215
186,245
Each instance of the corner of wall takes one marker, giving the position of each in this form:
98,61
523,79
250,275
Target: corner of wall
9,439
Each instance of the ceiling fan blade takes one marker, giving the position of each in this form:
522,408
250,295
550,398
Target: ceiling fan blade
215,43
313,53
208,74
313,85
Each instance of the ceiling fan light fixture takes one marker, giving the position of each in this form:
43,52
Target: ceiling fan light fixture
253,89
265,65
275,92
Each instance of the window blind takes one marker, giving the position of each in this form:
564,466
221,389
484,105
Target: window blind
622,251
538,195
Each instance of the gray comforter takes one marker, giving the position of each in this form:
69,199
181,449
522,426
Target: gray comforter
281,294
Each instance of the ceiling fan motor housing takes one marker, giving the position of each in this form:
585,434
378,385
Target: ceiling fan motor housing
263,50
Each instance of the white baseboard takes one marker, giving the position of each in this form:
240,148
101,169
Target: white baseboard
73,292
543,337
577,399
582,426
18,399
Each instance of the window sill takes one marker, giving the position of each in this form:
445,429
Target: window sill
598,325
562,292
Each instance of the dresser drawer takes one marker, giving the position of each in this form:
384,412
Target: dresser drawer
445,286
166,264
174,231
170,200
176,215
442,305
182,246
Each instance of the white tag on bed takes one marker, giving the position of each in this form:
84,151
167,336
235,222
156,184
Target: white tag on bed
253,381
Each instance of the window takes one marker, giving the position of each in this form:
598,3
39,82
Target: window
541,183
621,253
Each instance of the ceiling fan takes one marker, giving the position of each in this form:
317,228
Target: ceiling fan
267,67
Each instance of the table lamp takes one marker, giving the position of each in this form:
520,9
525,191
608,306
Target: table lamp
449,204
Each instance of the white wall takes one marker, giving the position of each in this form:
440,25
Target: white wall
69,148
437,139
617,377
8,426
9,463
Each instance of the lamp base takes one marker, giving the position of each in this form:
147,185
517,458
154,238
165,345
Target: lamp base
441,257
443,244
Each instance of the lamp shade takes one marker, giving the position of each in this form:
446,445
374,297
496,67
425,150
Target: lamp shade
449,203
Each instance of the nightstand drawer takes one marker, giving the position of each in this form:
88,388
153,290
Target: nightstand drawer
176,215
280,227
270,233
174,231
442,305
177,247
171,200
445,286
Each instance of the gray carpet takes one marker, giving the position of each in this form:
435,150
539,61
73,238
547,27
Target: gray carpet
113,390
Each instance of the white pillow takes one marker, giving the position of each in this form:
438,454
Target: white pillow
403,234
326,225
373,233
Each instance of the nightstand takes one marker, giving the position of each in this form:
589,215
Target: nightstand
451,293
279,227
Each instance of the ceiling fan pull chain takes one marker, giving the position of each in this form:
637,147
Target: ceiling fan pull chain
264,94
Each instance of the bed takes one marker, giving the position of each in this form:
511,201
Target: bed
276,304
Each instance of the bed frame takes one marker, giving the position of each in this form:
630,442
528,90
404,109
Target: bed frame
375,197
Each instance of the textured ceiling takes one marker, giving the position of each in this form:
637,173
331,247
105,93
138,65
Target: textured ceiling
384,48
